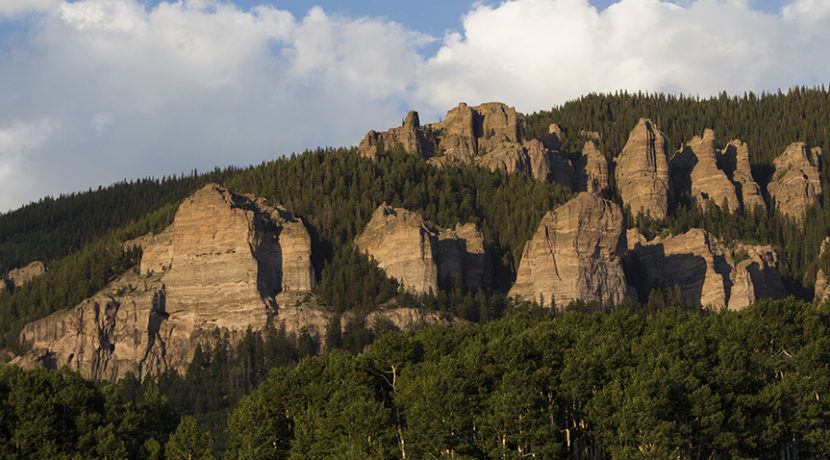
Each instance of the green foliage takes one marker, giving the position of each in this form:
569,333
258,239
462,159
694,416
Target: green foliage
188,442
629,383
53,228
57,414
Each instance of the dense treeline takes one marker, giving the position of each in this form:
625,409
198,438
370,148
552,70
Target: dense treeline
768,123
336,191
625,384
59,415
52,228
76,276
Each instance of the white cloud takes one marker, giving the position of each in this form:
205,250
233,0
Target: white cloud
17,141
538,53
195,84
139,90
12,8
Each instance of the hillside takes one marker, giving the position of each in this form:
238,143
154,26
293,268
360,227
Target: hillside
609,205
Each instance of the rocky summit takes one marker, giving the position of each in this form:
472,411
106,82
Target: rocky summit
576,253
421,257
224,265
491,135
642,171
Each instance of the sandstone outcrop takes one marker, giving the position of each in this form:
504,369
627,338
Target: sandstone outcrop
20,276
642,171
576,253
409,135
491,135
226,263
703,269
698,171
420,257
735,158
796,183
408,318
592,167
822,291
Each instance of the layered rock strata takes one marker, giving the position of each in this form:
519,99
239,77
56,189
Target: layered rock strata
421,257
576,253
227,263
698,164
491,135
735,158
705,271
796,183
592,170
642,171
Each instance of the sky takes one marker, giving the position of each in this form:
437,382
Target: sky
96,91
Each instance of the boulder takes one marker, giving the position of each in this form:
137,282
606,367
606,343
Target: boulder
423,258
224,265
796,183
642,171
576,253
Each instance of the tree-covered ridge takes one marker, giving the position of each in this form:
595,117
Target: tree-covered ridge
52,228
669,384
336,191
767,122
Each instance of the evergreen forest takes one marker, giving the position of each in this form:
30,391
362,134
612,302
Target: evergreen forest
651,378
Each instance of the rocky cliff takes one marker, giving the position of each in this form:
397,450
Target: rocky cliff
735,159
796,183
592,170
703,269
642,171
491,135
576,253
696,169
420,257
20,276
225,264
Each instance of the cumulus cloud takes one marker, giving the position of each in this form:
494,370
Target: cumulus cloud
538,53
161,90
112,89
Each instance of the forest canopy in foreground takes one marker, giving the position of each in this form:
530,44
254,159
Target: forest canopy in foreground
624,384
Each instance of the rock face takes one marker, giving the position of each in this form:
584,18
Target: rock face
20,276
796,183
704,270
422,258
592,170
822,291
576,253
642,172
735,158
225,264
491,135
706,181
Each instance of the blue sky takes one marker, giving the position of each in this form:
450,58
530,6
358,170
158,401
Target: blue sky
95,91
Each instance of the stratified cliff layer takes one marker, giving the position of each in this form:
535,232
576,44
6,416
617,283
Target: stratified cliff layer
576,253
642,172
225,264
422,258
705,271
